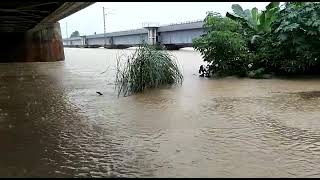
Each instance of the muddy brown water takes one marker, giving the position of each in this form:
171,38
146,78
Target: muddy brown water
54,124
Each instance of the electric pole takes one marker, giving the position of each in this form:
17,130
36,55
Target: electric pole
67,30
104,28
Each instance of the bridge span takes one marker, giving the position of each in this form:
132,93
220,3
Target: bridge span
31,31
173,36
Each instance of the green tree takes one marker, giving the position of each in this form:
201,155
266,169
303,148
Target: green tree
296,38
223,45
75,34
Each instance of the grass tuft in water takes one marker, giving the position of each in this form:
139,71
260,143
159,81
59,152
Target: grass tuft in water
147,67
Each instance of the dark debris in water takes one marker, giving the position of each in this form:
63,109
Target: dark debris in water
99,93
309,94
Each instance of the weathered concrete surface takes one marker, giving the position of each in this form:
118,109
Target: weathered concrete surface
44,44
29,30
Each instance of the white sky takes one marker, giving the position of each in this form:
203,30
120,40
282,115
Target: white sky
131,15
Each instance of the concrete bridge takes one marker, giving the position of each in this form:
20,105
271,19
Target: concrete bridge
30,31
173,36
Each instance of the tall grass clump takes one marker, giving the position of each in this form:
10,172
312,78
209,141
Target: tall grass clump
146,68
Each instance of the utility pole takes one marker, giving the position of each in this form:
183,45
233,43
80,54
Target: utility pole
67,30
104,28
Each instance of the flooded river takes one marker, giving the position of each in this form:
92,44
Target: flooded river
54,124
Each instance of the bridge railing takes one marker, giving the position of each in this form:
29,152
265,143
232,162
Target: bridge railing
150,24
184,22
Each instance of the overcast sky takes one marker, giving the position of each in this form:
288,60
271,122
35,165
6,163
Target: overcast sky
131,15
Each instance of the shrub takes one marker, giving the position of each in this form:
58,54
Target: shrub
296,38
146,68
223,46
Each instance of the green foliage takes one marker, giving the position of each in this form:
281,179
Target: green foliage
222,46
268,16
256,24
283,41
75,34
247,18
146,68
259,23
215,22
296,38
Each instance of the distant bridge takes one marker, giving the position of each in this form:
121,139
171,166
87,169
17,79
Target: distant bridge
172,36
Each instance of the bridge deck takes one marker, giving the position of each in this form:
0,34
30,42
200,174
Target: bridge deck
171,35
21,16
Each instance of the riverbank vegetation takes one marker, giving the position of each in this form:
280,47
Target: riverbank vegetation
147,67
279,40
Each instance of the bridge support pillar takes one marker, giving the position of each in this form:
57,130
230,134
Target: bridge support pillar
44,43
152,34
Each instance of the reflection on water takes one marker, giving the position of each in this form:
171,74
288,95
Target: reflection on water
53,124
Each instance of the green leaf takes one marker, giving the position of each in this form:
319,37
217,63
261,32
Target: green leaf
316,23
254,14
237,9
272,5
241,20
283,37
247,14
262,21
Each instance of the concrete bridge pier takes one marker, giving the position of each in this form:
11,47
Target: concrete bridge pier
152,34
44,43
29,31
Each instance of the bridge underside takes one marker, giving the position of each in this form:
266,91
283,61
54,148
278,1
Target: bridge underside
30,31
